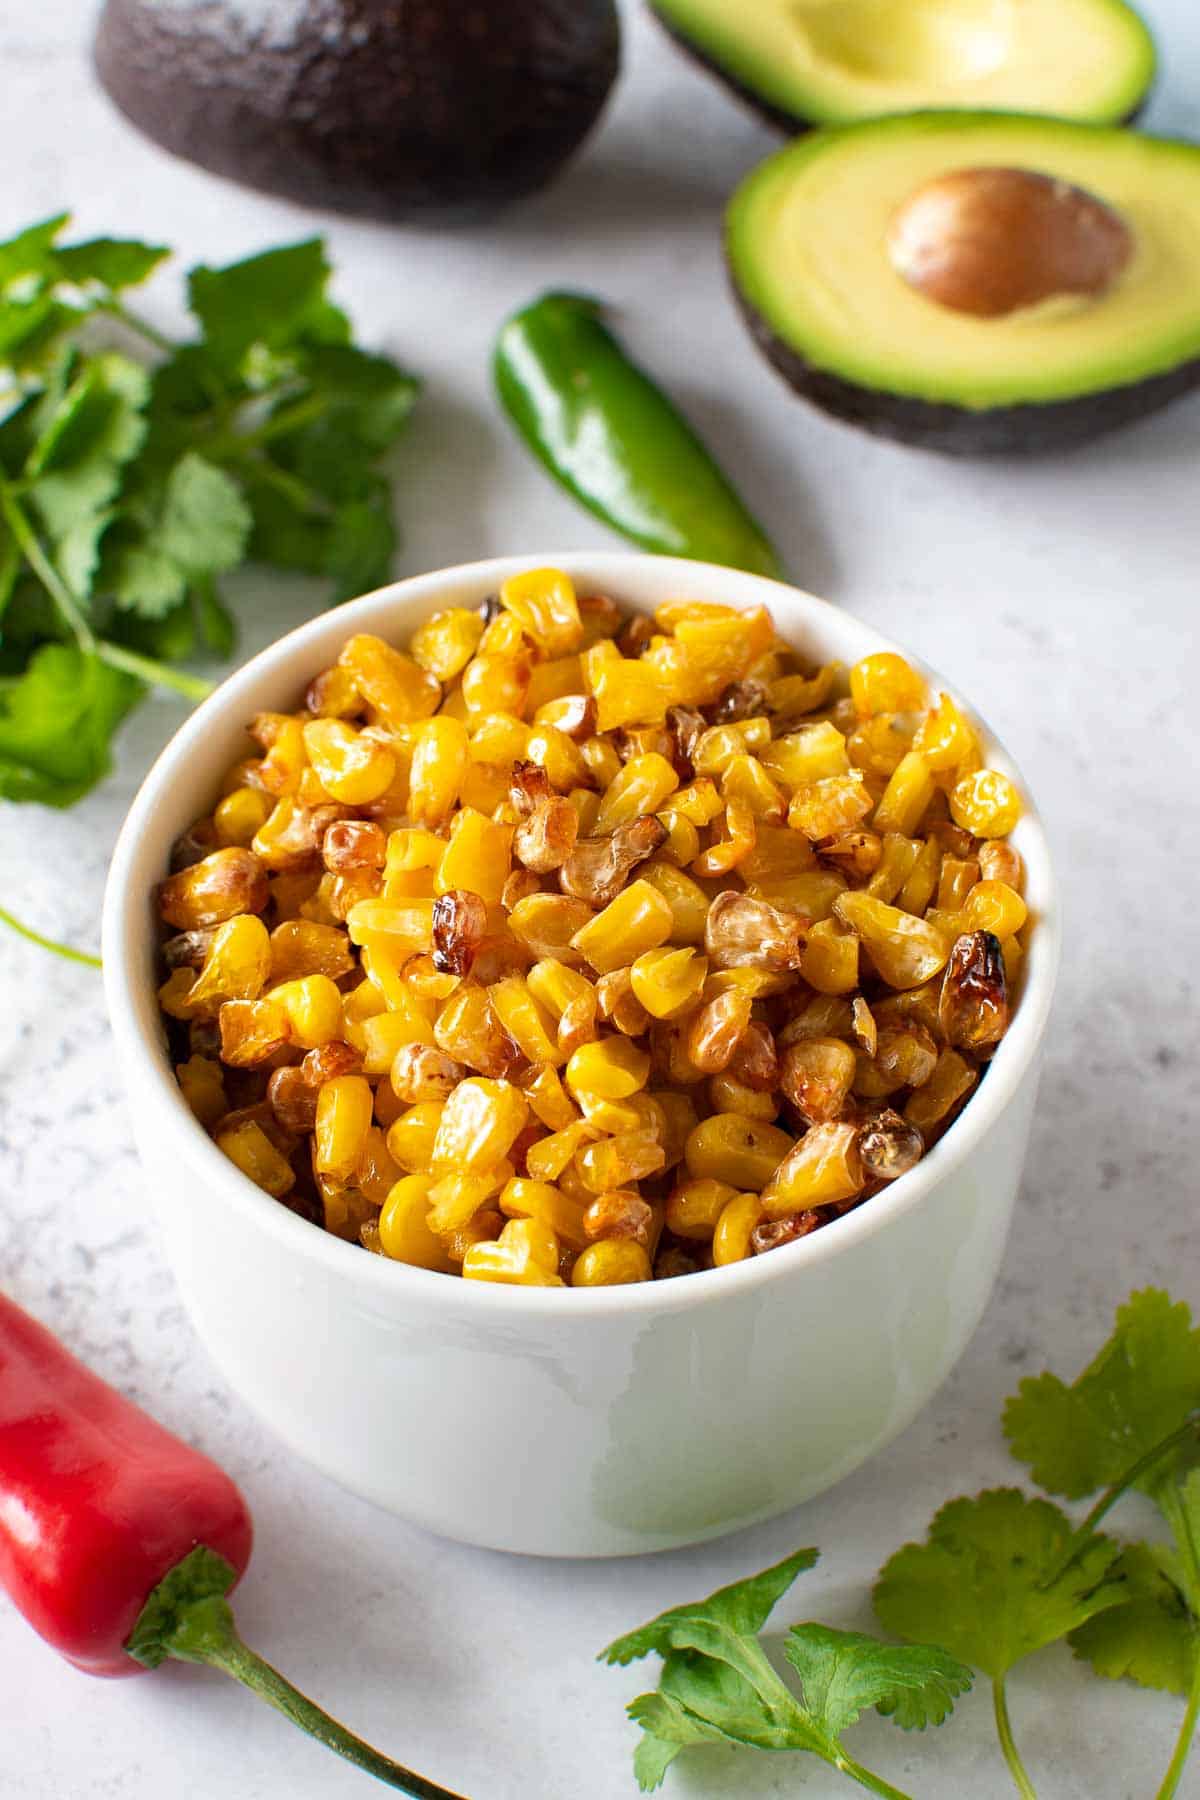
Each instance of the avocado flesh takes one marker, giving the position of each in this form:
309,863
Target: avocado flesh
418,109
834,61
806,242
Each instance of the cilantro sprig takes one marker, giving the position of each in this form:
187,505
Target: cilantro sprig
136,472
997,1577
717,1685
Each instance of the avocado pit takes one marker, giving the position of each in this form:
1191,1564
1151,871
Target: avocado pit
989,241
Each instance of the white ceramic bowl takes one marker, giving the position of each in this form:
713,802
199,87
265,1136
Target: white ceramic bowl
582,1422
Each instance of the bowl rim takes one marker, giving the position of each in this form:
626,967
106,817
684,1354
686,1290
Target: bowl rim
145,1069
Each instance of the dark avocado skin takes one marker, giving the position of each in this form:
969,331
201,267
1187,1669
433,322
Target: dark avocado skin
389,109
791,124
1029,429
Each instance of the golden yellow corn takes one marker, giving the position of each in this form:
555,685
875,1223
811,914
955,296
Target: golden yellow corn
822,1168
904,950
455,1199
477,857
836,803
990,906
610,1069
667,982
411,1137
641,787
240,815
615,1162
404,1232
951,1081
236,967
541,1200
351,766
527,1023
446,642
695,1206
612,1262
829,962
731,1236
638,919
313,1007
525,1255
393,685
884,682
985,803
343,1119
742,1152
558,679
480,1122
945,738
921,882
247,1145
812,753
439,762
203,1088
544,602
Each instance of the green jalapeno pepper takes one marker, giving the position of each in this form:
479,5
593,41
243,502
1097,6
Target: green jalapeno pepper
614,440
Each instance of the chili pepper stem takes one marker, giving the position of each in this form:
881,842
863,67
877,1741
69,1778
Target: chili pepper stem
205,1633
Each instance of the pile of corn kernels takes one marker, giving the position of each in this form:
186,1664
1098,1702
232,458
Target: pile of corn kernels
573,948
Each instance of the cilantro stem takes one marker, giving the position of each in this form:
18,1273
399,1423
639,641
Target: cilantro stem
45,943
192,687
42,565
1183,1743
1081,1538
116,309
874,1784
1012,1755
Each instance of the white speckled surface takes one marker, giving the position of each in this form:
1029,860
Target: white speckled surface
1062,597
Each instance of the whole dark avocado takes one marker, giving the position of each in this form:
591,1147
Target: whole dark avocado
389,109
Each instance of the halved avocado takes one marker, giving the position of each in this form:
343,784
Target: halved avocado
827,62
1065,258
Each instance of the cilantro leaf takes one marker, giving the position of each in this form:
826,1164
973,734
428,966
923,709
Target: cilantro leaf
56,720
1149,1635
270,300
112,263
97,428
667,1728
30,252
845,1672
1141,1387
200,528
984,1584
743,1607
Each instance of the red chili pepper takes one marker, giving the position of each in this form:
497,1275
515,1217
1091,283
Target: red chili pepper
119,1542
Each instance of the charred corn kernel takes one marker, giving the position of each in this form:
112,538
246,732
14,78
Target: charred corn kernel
544,602
527,1023
290,890
746,780
313,1007
1000,862
283,739
641,787
227,882
921,883
404,1232
480,1122
683,894
615,1162
884,682
252,1031
682,845
498,738
906,797
626,692
792,695
731,1148
695,1206
402,927
203,1088
541,1200
439,762
351,767
455,1199
410,1138
731,1235
611,1069
638,919
897,860
446,642
559,755
236,967
813,753
495,684
945,738
240,815
247,1145
822,1169
548,1158
727,1094
548,1098
380,1038
613,1262
829,962
344,1108
985,803
524,1255
478,857
836,803
991,906
551,683
666,982
904,950
395,687
951,1081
